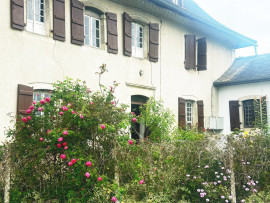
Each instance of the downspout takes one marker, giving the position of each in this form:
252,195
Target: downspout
160,59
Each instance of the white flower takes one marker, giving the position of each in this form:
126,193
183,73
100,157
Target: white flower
216,173
207,200
247,189
222,197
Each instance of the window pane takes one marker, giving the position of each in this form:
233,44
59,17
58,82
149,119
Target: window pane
133,34
97,42
29,9
37,10
97,24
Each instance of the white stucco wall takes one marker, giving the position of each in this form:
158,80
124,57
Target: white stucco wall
238,92
28,58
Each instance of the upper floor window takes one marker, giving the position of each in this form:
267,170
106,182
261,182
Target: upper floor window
137,40
191,47
177,2
91,31
36,16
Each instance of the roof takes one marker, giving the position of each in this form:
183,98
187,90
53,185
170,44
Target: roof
246,70
192,11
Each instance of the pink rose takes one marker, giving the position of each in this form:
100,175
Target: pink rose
112,102
73,161
65,132
60,139
64,108
132,113
70,163
130,142
72,112
29,118
134,120
31,107
59,145
61,113
81,116
48,147
63,156
40,109
91,103
87,174
64,144
99,179
34,102
66,147
28,111
114,199
141,182
41,139
88,90
88,163
24,119
102,126
47,99
42,101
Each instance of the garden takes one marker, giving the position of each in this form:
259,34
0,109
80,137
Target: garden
75,146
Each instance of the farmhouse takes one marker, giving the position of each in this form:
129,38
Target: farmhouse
170,50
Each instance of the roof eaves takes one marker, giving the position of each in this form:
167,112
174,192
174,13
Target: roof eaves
230,83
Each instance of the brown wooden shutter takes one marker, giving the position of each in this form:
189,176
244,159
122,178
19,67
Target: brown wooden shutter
17,14
25,98
153,41
77,22
181,112
112,36
190,52
202,59
127,34
234,115
200,114
59,20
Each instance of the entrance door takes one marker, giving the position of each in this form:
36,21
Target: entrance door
138,131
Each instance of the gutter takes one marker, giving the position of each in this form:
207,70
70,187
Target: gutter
222,84
169,5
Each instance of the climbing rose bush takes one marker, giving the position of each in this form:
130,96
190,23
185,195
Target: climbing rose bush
63,147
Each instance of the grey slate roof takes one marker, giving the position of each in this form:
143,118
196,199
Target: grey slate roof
192,11
246,70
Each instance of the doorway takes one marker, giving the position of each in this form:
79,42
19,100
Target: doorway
139,131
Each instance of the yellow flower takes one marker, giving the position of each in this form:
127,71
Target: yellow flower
246,133
251,145
245,136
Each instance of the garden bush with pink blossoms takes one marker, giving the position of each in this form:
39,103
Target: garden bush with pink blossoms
75,147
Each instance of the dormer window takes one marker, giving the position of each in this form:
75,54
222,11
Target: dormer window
178,2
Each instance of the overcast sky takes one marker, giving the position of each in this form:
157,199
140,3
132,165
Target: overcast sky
248,17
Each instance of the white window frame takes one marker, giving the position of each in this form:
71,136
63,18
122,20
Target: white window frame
33,25
189,112
90,31
136,32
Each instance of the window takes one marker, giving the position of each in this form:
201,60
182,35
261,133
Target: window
41,94
36,16
254,112
248,112
91,31
249,117
177,2
190,53
189,113
137,40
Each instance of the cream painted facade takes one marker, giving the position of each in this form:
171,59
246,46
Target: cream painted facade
37,60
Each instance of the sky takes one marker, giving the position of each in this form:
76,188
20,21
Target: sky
250,18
